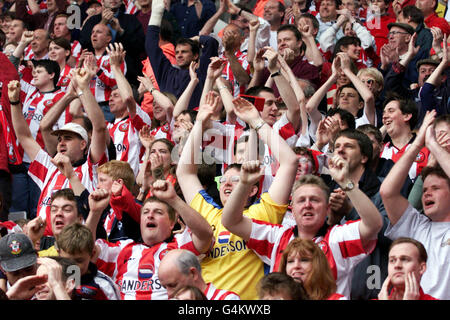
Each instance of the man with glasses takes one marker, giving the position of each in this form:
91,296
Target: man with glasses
398,51
406,73
374,80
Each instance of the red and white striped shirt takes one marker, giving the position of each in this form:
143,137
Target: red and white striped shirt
35,105
125,135
134,266
101,85
227,73
331,96
212,293
286,131
218,142
12,144
392,152
49,179
342,246
11,227
164,131
76,49
29,54
130,6
64,79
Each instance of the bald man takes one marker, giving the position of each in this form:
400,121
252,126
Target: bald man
180,268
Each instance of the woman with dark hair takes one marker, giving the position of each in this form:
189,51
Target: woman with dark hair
304,261
352,46
280,286
59,50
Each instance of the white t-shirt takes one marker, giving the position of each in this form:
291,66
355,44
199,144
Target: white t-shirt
435,236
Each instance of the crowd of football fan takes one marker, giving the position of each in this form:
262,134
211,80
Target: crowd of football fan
224,150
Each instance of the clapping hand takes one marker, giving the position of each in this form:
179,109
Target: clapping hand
146,137
116,54
246,111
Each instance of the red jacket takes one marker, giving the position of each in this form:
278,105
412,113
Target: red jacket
9,152
380,32
422,296
434,21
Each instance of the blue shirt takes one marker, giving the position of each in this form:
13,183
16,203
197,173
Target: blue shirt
187,19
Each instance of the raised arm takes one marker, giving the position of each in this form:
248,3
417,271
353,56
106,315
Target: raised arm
214,71
437,147
34,7
394,203
232,215
99,136
251,49
371,221
233,9
142,178
25,40
158,97
364,91
426,93
154,52
444,64
239,73
312,52
183,101
21,128
211,23
327,38
258,68
277,63
62,162
191,156
280,188
299,94
313,103
52,116
98,202
117,57
202,235
227,99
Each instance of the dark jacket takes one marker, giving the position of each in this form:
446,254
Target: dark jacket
302,69
132,40
173,79
437,98
424,37
39,19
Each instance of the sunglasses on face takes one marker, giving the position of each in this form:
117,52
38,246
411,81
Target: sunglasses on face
234,179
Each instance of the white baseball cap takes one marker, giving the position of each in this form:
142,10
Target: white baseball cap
72,127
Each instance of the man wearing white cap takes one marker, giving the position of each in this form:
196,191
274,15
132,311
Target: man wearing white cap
77,158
